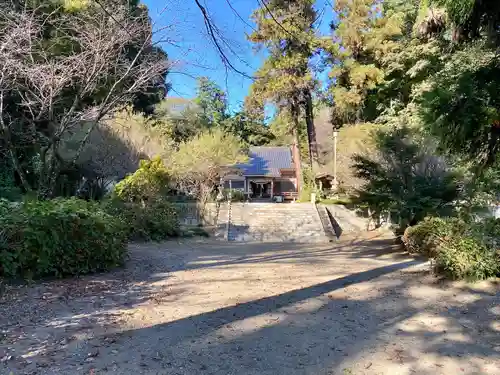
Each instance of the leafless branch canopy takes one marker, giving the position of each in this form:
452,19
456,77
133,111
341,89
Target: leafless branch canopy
53,89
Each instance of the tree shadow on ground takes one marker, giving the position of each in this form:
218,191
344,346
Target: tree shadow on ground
220,254
67,310
324,328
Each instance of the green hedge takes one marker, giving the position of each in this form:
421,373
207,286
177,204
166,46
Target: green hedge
461,250
467,258
155,220
425,237
58,238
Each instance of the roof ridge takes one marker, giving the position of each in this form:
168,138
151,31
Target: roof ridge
270,146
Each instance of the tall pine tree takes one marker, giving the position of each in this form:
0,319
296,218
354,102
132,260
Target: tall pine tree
286,29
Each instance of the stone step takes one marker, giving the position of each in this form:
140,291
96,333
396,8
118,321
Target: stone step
261,217
289,227
299,218
275,221
274,227
267,222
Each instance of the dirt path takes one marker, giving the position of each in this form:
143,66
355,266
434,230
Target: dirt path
354,307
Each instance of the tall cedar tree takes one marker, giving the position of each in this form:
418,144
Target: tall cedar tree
286,29
362,35
460,104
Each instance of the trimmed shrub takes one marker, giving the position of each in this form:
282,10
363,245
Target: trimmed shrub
424,238
149,182
58,238
467,258
461,250
155,221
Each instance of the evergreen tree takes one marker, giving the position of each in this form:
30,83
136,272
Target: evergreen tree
365,32
212,102
418,54
286,29
405,178
251,131
473,18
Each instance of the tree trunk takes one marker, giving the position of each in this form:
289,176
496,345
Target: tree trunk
311,130
19,171
294,110
15,161
49,172
11,149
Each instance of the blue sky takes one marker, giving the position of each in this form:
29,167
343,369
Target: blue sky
193,54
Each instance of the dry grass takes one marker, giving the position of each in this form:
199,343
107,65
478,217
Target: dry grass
352,139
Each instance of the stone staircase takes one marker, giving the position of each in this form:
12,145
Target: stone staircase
291,222
271,222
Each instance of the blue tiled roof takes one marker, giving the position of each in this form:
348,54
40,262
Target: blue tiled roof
267,161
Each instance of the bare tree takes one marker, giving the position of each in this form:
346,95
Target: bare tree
109,58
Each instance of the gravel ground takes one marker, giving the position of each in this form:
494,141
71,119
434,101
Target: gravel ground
357,306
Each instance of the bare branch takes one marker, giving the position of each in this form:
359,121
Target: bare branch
111,59
213,33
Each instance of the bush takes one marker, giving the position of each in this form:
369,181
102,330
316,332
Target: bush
155,221
140,201
467,258
5,206
8,188
490,230
10,192
405,178
195,232
461,250
305,194
424,238
58,238
150,181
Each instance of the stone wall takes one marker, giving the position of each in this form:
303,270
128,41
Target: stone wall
192,213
